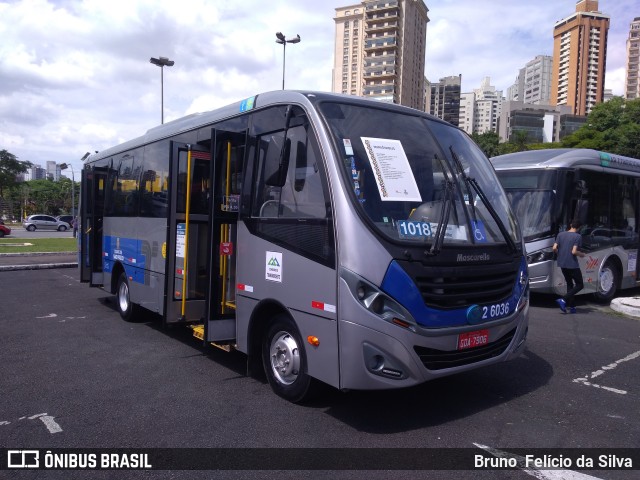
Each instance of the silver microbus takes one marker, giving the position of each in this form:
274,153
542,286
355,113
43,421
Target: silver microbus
548,188
330,238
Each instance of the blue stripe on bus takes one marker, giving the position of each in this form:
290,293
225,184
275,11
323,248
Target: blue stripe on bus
399,285
127,251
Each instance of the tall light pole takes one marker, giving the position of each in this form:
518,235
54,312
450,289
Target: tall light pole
162,62
283,41
64,166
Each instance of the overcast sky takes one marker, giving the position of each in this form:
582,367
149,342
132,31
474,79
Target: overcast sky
75,74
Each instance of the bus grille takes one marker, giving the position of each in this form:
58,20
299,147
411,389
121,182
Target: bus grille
462,286
439,359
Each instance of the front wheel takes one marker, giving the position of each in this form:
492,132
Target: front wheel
31,228
62,228
285,362
608,282
123,298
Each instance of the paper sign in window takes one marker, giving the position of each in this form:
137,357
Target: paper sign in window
391,170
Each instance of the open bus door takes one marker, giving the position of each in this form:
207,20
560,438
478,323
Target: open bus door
228,150
91,216
186,244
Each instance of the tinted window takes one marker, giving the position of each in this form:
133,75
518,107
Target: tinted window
289,185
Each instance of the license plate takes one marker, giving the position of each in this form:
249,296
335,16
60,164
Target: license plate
473,339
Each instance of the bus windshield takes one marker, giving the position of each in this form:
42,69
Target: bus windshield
412,186
533,197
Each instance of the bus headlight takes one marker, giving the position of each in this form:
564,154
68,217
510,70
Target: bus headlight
377,302
540,256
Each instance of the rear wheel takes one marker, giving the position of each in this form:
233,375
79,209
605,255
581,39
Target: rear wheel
285,362
123,298
608,282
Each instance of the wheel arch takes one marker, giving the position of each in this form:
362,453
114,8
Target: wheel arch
616,262
118,268
616,266
261,317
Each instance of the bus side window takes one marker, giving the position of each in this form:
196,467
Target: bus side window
267,197
302,195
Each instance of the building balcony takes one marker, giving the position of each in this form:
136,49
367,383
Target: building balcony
381,61
373,26
379,73
380,44
381,6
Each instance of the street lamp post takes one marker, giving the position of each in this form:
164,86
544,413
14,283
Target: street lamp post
283,41
64,166
162,62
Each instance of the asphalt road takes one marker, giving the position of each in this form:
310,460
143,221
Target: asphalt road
74,375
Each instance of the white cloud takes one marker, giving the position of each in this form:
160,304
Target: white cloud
75,75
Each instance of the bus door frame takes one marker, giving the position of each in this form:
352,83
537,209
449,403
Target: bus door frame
220,324
181,309
92,199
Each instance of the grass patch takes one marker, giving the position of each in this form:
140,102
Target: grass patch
29,245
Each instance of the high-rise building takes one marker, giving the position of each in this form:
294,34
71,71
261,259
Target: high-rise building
533,83
579,58
380,50
444,99
35,172
632,79
480,110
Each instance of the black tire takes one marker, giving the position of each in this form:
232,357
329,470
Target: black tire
285,361
608,282
62,228
1,234
31,228
123,299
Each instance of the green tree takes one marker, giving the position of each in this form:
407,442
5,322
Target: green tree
612,126
488,143
10,167
519,140
47,196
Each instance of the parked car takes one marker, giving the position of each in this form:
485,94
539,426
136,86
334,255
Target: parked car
65,218
44,222
4,230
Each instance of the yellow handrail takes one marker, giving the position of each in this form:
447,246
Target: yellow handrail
186,235
224,233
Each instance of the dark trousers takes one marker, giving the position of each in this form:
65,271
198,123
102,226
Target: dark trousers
573,277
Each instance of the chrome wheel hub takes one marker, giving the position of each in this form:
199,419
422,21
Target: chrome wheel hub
285,358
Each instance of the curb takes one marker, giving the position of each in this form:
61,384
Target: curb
627,306
35,254
38,266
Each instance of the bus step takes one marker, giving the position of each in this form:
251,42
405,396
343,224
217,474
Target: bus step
198,332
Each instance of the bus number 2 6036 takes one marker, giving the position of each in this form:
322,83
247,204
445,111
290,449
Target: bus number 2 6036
497,310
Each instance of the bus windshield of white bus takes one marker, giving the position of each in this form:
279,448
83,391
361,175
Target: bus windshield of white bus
533,196
411,185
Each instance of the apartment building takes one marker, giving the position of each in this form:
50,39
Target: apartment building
533,83
579,58
443,99
480,109
380,50
632,78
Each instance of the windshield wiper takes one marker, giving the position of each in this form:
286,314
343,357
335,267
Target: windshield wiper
483,198
443,221
467,183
